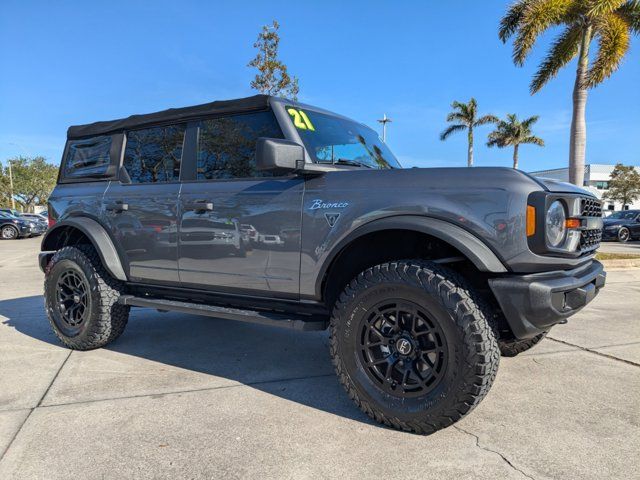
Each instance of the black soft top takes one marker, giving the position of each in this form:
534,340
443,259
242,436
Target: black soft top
171,115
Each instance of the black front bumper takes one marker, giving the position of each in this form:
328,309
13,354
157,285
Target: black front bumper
534,303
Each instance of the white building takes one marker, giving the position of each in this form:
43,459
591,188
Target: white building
596,180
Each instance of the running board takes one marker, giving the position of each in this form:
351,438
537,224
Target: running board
297,322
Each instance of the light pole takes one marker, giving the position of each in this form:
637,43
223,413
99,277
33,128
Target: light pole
13,202
384,120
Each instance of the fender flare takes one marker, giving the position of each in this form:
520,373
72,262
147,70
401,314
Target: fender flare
467,243
100,239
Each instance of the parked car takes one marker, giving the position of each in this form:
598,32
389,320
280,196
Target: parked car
12,227
40,222
270,240
421,291
622,226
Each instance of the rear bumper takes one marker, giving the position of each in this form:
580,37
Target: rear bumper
534,303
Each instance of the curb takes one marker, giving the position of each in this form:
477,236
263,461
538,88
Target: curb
621,263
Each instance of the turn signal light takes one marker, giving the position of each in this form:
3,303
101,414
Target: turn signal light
573,223
531,221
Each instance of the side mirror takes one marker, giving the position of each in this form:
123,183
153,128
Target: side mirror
279,155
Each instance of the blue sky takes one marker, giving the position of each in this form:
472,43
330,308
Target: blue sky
67,63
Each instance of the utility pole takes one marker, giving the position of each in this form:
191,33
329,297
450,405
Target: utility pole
384,120
13,202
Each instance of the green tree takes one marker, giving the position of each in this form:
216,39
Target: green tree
272,77
513,132
610,22
5,197
33,180
624,186
465,116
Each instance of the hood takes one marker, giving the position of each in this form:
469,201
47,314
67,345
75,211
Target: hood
557,186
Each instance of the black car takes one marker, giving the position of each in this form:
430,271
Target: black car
622,226
12,227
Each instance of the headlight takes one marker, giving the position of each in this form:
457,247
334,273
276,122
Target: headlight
555,224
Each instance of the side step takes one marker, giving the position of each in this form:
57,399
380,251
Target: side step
297,322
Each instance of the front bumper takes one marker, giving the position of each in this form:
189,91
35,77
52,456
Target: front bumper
534,303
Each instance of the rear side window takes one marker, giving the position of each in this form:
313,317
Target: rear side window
226,145
154,154
88,158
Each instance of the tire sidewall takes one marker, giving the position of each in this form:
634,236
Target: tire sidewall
77,262
348,330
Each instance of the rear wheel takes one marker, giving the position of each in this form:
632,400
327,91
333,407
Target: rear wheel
412,345
9,232
81,299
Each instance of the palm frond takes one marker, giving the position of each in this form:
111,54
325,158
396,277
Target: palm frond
458,117
533,140
613,42
563,50
537,17
451,129
630,13
526,124
596,8
486,119
510,22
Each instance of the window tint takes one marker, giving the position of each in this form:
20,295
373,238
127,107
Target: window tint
88,158
154,154
226,145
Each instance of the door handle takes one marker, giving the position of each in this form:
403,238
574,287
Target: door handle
117,207
199,206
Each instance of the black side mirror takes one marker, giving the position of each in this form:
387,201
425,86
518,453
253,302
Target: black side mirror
275,154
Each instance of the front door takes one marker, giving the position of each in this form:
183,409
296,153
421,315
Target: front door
239,228
141,209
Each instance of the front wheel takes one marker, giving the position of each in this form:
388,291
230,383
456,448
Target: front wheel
9,232
623,235
412,345
81,299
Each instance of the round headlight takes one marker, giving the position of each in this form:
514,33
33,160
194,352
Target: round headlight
555,224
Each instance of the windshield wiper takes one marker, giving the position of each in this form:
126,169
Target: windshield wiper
355,163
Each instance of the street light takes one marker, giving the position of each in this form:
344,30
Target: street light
384,120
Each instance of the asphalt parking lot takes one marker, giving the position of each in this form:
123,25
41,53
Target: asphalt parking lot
632,248
181,396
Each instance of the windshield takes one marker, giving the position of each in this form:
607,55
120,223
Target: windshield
628,215
332,139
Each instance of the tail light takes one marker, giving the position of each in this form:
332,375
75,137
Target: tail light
50,219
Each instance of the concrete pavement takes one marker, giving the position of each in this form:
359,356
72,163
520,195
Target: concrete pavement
181,396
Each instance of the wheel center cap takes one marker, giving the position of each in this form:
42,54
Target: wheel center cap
404,346
76,298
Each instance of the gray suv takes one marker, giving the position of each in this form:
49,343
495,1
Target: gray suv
275,212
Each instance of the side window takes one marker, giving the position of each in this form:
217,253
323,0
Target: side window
88,157
154,154
226,145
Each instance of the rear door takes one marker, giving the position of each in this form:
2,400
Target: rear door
239,228
141,208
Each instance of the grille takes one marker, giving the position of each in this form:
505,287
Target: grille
590,239
591,207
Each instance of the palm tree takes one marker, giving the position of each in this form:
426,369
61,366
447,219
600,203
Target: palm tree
513,132
611,22
465,115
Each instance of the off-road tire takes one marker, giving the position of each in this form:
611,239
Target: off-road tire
473,354
106,319
512,347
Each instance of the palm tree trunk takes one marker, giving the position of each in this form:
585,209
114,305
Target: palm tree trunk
515,155
470,150
578,141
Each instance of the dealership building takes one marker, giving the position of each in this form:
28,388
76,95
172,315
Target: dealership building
596,180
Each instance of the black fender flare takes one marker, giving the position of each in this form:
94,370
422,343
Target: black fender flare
467,243
98,236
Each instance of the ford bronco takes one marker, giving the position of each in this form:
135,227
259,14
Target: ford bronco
271,211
